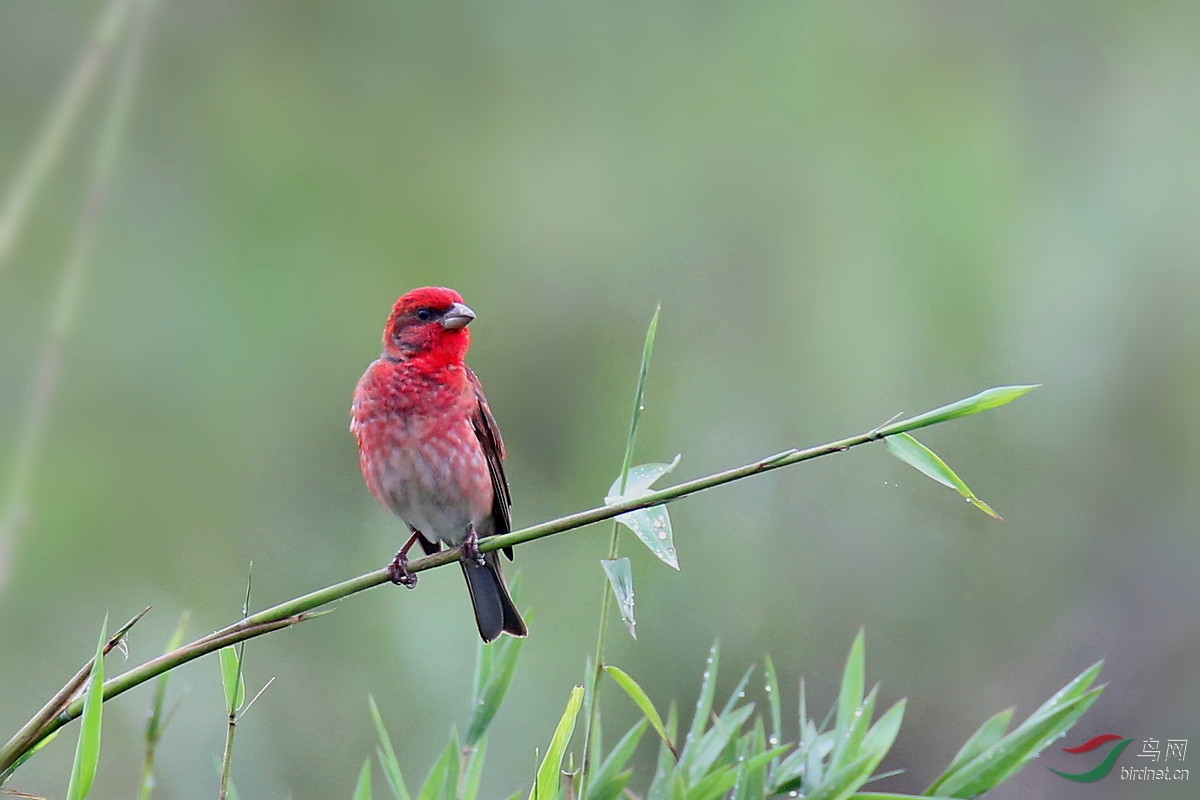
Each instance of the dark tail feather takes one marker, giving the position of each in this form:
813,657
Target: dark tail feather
494,609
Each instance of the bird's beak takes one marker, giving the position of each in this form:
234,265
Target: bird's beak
459,316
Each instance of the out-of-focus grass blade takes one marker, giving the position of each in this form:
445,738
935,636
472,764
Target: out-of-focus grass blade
157,721
613,767
620,577
987,735
473,771
667,767
642,701
1009,754
702,753
231,679
894,796
545,787
739,691
851,695
651,525
500,666
927,462
87,751
439,783
362,790
387,755
987,399
850,738
708,687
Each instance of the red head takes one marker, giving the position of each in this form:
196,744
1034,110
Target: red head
430,321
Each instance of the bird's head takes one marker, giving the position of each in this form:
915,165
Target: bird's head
430,321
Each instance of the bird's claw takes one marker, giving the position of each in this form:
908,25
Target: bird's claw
470,548
399,573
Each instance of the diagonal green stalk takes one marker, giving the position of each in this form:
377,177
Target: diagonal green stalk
300,608
13,514
49,144
607,598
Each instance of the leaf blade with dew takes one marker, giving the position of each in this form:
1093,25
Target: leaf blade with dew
850,697
702,753
928,463
987,735
983,401
387,755
620,576
545,786
1012,752
652,525
362,789
642,701
739,691
708,688
87,750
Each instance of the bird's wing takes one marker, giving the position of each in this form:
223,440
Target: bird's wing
493,449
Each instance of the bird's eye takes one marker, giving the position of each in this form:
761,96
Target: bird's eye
424,314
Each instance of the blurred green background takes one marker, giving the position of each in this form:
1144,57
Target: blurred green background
847,211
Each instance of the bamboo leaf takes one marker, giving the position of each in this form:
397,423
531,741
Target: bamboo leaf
231,679
387,755
651,525
620,577
924,460
87,751
642,701
545,785
362,790
987,399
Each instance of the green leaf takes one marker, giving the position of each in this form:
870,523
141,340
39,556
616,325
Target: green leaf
362,790
702,753
708,688
651,525
639,397
772,689
894,796
924,460
849,739
666,770
473,771
642,701
87,751
497,669
987,399
1008,755
738,693
851,695
620,577
387,755
545,786
231,679
439,783
609,772
987,735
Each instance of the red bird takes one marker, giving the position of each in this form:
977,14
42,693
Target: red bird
430,451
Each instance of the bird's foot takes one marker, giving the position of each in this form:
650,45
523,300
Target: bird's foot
399,573
470,547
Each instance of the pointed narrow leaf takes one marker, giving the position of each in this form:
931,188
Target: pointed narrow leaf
87,751
1011,753
500,666
985,400
231,679
849,739
545,786
651,525
473,771
851,695
987,735
708,687
387,755
642,701
613,767
620,577
362,789
439,783
702,753
738,693
927,462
